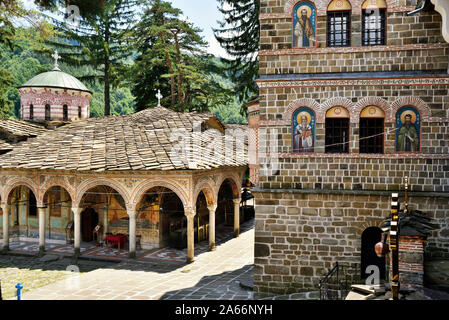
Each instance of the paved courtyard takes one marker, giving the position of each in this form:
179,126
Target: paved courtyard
213,275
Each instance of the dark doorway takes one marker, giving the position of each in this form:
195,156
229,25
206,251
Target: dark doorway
370,237
89,220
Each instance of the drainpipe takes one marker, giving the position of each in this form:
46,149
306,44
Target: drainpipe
418,9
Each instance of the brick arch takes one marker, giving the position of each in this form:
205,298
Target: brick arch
334,102
48,186
371,101
368,223
321,6
92,183
16,182
295,105
234,185
143,187
416,102
208,191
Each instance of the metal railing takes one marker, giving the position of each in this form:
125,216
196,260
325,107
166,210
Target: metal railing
337,283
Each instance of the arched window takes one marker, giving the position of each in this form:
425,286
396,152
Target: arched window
47,112
304,25
339,23
408,130
374,22
65,113
31,112
303,130
371,139
79,113
337,130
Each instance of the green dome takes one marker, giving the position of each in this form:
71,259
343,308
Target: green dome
56,79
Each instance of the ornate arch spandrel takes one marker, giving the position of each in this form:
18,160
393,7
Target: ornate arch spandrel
207,189
56,182
140,190
235,185
20,181
92,183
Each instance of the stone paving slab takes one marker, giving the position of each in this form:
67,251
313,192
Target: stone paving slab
213,275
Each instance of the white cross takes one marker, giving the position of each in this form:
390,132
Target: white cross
159,97
56,56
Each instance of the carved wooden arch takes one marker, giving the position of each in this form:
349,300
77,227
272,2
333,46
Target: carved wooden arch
236,187
92,183
415,102
372,101
299,103
209,193
52,184
16,182
143,187
334,102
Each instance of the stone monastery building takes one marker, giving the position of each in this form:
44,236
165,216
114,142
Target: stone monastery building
158,177
353,98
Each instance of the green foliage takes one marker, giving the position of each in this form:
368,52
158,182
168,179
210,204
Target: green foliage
100,41
171,57
10,12
24,64
239,34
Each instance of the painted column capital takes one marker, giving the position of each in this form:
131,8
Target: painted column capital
76,210
237,200
189,213
132,214
5,206
212,208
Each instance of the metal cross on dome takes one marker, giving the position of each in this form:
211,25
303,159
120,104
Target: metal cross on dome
56,56
159,97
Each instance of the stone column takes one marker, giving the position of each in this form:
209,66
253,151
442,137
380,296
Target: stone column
190,236
77,229
236,217
42,220
132,234
212,209
5,209
105,221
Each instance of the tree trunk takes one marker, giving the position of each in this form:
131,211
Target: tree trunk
107,70
172,78
180,99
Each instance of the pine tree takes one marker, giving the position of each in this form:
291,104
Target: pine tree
100,40
239,34
172,59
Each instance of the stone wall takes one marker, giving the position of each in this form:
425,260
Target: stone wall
301,234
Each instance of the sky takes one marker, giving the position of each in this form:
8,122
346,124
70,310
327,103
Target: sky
204,15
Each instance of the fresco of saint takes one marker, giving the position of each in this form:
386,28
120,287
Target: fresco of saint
303,131
304,25
408,126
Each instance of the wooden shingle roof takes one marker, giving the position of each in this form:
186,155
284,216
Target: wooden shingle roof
153,139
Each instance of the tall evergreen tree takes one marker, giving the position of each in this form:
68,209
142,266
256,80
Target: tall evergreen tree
239,34
171,58
11,13
99,41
